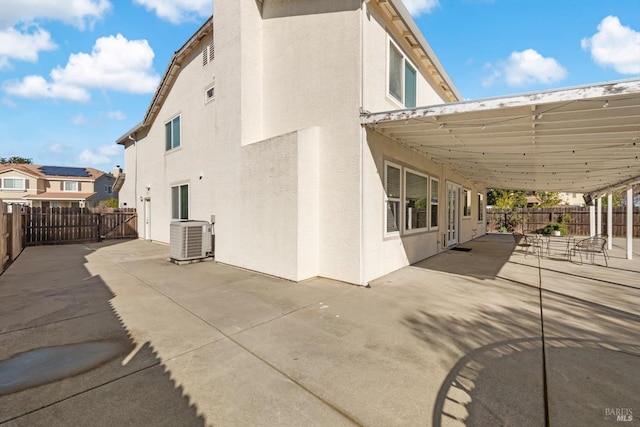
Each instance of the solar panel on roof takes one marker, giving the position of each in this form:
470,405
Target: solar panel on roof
64,171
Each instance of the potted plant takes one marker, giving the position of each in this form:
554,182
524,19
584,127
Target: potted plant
555,229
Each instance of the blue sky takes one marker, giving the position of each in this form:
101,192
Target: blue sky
77,74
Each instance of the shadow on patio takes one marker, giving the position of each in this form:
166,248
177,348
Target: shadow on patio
66,357
538,337
484,259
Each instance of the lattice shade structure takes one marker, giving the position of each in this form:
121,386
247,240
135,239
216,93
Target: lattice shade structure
584,140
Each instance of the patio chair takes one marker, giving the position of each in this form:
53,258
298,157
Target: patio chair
592,246
527,242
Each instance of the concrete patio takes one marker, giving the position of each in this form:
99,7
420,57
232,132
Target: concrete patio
454,340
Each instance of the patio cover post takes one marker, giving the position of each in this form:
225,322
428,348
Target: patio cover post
610,221
629,222
592,220
599,215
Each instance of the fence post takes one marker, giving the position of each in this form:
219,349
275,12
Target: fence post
3,235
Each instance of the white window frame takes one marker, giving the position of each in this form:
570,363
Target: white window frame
208,98
431,204
404,201
171,122
183,184
480,207
467,203
65,189
108,189
398,200
402,102
14,178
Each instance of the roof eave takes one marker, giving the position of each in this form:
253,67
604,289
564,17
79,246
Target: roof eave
173,69
449,91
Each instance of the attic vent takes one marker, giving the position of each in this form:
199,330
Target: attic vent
208,53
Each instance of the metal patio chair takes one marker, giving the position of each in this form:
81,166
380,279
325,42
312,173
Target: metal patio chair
527,242
592,246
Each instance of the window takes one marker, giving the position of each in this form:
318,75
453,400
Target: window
209,94
392,190
180,202
466,199
69,185
13,184
435,195
480,207
172,134
415,200
108,189
403,84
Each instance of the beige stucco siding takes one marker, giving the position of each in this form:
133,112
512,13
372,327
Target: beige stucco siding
384,253
31,186
376,37
191,163
302,69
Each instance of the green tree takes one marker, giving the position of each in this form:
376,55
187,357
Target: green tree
548,199
109,203
618,199
504,198
15,159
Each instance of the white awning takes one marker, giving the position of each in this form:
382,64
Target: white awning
584,139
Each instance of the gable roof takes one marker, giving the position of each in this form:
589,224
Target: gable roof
53,172
168,79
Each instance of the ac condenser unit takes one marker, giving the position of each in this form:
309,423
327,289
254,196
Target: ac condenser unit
189,240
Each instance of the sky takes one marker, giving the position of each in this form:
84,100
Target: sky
75,75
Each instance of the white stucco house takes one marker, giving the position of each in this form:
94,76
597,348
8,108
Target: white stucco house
263,121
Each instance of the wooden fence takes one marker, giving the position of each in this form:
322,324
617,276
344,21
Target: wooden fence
576,219
74,225
11,235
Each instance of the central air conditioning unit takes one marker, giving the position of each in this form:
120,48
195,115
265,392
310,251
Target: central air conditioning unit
189,240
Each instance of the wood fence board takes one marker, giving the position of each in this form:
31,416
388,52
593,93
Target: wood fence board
75,225
578,225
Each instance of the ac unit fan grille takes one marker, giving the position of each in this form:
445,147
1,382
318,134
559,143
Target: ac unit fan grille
193,242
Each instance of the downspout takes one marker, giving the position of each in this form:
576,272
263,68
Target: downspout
362,144
610,221
629,221
135,174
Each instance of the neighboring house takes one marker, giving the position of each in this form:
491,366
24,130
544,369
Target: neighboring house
572,199
54,186
263,135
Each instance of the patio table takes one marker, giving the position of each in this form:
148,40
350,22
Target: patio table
559,246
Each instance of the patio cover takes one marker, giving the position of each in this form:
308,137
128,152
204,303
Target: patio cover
583,139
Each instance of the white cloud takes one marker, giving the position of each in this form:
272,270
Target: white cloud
8,102
525,68
115,63
418,7
178,11
23,46
57,148
99,156
116,115
79,119
38,87
615,45
80,13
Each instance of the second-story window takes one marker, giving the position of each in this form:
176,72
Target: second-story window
70,185
172,134
13,184
403,84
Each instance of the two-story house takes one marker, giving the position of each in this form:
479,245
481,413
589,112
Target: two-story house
54,186
299,128
256,124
